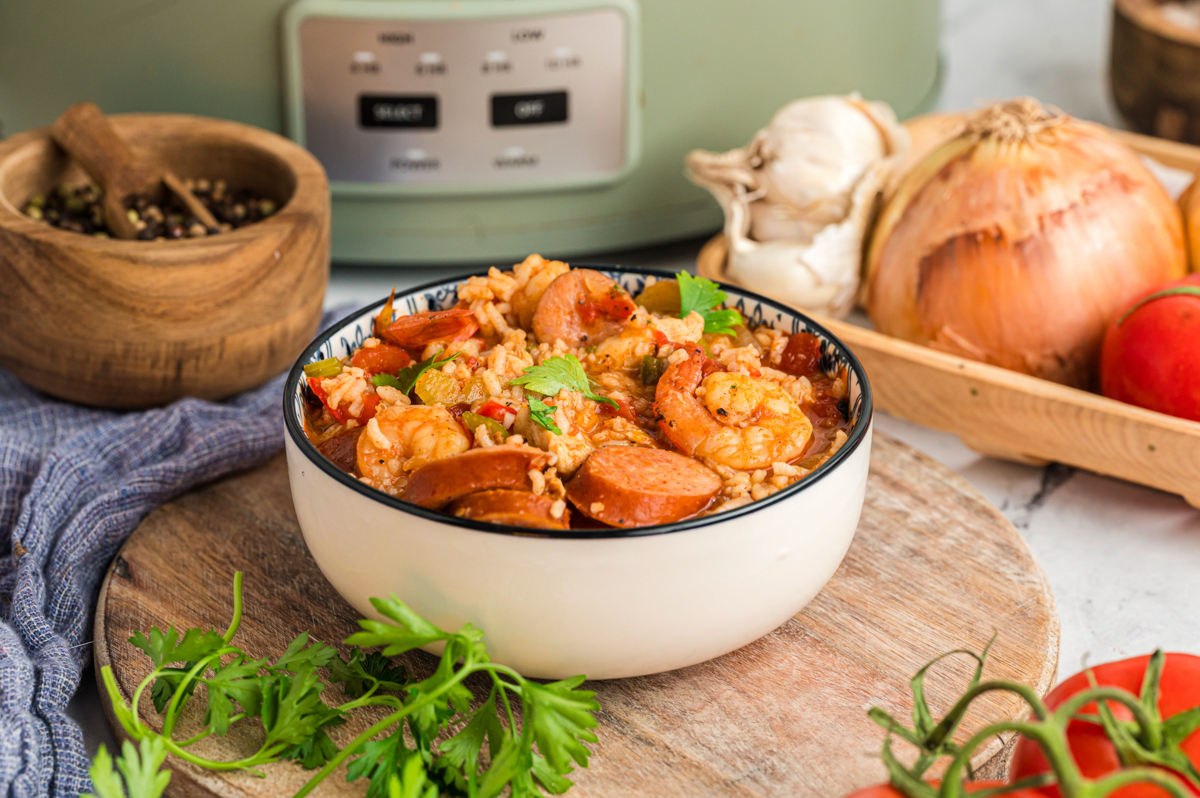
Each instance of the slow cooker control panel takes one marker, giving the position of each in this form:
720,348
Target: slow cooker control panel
466,96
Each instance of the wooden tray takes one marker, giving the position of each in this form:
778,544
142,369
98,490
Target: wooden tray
933,567
1001,413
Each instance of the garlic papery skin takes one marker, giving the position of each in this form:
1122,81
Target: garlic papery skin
799,198
1017,240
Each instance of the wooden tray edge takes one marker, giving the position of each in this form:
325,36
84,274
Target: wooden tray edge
1001,413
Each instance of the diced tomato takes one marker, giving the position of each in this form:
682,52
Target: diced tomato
616,305
342,413
660,338
498,412
622,410
381,359
802,355
370,403
420,329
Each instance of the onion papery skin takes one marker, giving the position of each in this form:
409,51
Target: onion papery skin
1018,251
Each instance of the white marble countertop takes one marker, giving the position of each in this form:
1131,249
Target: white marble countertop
1123,560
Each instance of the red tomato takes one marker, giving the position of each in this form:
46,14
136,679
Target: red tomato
623,410
802,355
419,329
1095,755
381,359
1151,357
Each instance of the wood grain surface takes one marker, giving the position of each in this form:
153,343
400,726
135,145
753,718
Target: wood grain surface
127,324
933,567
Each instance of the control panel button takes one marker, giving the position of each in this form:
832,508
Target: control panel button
397,111
529,109
364,62
562,58
496,61
431,64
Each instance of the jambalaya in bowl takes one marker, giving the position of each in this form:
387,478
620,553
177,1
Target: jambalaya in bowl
552,397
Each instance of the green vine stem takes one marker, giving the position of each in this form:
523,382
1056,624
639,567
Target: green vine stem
1046,729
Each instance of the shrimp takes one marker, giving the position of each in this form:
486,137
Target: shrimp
742,422
402,438
418,329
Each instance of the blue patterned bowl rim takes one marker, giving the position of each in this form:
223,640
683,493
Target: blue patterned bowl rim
346,334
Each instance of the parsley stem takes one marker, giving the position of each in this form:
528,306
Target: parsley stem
179,699
207,731
512,723
467,669
496,667
236,620
262,756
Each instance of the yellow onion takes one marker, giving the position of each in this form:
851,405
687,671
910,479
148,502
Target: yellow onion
1017,240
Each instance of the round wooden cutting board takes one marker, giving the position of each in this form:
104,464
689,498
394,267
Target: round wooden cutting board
933,567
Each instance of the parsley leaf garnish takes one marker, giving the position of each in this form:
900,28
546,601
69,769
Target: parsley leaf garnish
406,379
288,698
552,376
706,298
543,414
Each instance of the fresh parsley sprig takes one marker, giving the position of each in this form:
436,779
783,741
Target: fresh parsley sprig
543,414
406,379
552,376
706,298
286,698
139,765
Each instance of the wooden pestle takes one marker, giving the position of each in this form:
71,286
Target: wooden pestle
89,138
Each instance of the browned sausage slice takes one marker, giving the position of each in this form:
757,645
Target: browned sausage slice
632,486
342,449
511,507
436,484
582,307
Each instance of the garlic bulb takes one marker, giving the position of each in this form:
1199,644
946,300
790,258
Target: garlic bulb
1017,240
799,197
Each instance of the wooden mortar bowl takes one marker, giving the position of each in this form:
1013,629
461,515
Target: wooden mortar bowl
1154,70
130,324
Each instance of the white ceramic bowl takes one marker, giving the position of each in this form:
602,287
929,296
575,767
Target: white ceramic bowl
607,603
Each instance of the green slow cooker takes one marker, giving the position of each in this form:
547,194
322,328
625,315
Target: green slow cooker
477,130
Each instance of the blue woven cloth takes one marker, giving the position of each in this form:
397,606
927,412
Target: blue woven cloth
74,483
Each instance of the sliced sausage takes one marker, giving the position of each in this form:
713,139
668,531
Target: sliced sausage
438,483
342,449
582,307
632,486
511,507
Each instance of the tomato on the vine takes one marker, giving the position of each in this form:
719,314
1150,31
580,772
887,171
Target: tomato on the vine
1151,354
1091,749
